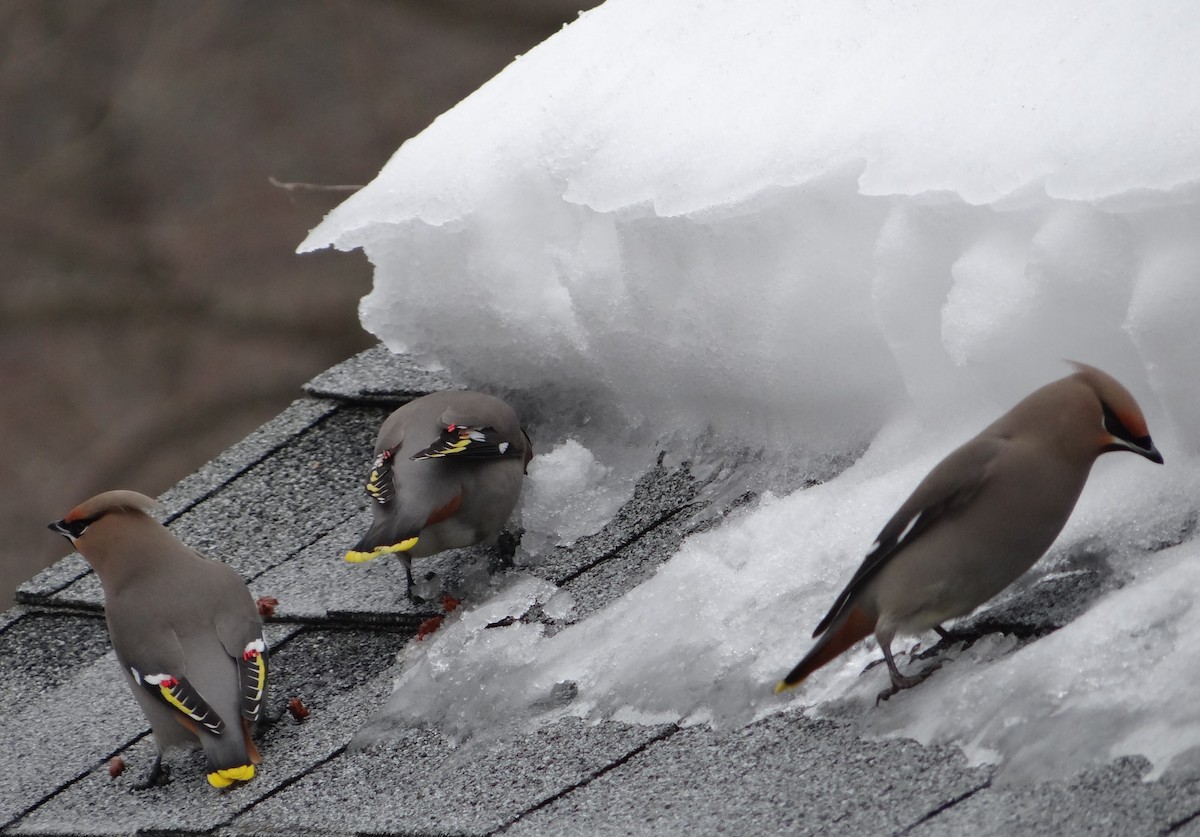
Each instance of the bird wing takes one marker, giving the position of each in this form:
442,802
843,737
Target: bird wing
147,645
463,441
178,693
252,679
242,639
239,629
381,484
946,489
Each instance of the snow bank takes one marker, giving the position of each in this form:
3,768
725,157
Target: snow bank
821,227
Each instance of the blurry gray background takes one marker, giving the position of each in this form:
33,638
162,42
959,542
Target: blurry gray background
152,309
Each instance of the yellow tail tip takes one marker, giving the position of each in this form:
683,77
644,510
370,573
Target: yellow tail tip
362,557
782,686
225,778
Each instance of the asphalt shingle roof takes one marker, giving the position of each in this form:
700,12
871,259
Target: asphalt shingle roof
282,505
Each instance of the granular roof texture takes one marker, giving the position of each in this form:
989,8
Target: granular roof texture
282,505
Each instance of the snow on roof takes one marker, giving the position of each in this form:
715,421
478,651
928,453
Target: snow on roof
282,505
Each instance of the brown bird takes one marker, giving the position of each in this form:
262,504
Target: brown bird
185,629
981,518
447,473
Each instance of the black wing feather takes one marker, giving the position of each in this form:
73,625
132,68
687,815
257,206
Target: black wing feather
462,442
252,678
380,486
179,694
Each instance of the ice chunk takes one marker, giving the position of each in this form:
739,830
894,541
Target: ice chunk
568,494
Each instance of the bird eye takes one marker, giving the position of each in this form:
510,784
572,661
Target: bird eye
1123,438
1113,425
72,528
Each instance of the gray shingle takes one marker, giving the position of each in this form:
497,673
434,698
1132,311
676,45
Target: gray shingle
65,732
377,375
282,507
788,774
1108,800
57,644
659,495
420,784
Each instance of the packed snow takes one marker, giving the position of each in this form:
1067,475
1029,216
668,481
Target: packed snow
840,231
568,495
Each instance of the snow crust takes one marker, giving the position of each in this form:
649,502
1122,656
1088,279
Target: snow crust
818,228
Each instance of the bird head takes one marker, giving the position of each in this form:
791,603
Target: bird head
1122,425
80,518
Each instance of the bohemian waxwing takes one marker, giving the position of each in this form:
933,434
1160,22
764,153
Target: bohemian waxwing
981,518
186,632
447,473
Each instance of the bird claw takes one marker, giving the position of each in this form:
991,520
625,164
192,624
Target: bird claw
157,776
901,682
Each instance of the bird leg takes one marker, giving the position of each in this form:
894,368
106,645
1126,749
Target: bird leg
912,655
408,581
157,776
901,681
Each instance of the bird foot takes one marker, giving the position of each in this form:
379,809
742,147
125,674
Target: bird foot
911,653
158,775
902,681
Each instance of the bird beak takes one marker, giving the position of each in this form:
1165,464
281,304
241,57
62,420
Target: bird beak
1142,447
60,527
1145,447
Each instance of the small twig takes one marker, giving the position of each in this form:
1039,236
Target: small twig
310,187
